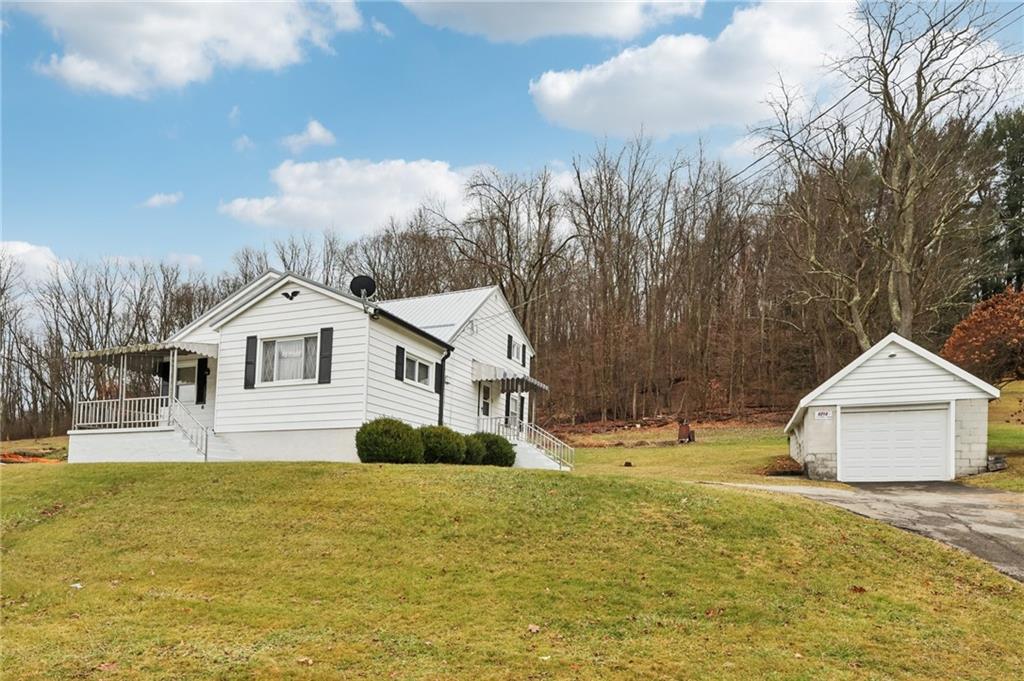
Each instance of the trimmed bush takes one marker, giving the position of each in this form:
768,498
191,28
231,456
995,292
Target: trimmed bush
442,445
476,450
388,441
498,450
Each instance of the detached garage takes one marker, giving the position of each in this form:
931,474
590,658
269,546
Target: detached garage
896,413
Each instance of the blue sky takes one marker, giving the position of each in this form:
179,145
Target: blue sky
108,108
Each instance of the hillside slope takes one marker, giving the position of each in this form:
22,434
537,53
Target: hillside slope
312,570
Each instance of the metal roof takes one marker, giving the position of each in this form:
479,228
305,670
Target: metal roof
442,314
205,349
510,382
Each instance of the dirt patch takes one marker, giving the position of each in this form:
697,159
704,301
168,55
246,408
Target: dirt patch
783,465
48,449
15,457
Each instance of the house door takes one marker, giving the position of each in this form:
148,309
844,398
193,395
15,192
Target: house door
515,412
485,399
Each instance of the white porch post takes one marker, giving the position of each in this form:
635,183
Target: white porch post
75,385
120,398
172,383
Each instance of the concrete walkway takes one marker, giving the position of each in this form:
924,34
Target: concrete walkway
988,523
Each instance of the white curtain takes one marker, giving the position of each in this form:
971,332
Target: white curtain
289,359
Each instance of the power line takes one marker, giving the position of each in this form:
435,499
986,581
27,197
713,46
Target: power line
992,28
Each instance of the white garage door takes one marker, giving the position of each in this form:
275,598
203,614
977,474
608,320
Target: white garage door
894,445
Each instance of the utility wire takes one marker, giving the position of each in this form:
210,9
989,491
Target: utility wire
992,28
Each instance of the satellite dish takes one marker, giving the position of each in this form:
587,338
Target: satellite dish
363,286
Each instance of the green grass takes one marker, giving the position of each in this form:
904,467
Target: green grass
437,572
734,454
1006,437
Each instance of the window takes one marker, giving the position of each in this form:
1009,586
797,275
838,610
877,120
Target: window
485,400
417,371
185,385
289,359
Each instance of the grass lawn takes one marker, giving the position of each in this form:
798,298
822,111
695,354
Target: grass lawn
417,572
1006,437
732,454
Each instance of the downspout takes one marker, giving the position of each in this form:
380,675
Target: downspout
440,395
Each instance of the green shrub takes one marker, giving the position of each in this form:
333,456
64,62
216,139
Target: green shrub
388,441
476,450
498,450
442,445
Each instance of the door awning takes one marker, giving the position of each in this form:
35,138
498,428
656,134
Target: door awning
510,382
205,349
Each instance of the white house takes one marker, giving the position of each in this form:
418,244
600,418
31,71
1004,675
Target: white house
896,413
288,369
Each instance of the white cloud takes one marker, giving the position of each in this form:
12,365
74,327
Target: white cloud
351,195
315,134
189,261
161,200
504,21
243,143
381,28
686,83
133,49
35,261
234,115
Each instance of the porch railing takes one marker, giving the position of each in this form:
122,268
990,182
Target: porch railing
513,429
197,433
131,412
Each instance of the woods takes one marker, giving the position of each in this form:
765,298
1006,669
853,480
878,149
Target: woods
652,283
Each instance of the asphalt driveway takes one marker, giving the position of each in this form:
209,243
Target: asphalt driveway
988,523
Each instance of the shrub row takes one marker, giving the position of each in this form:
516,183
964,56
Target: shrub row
387,440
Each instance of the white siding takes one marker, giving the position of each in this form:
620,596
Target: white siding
386,395
903,379
338,404
485,339
202,334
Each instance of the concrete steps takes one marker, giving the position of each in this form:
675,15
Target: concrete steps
529,456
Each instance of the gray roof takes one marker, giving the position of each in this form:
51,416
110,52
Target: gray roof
442,314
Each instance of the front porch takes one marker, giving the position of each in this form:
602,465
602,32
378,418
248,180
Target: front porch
517,425
152,386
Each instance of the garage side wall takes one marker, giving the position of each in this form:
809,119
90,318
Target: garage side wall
971,436
818,442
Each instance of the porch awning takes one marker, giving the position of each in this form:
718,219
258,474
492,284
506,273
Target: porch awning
205,349
510,382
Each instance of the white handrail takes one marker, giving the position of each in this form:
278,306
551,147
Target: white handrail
512,429
195,431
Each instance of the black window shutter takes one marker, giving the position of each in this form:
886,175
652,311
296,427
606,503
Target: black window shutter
531,365
522,408
524,354
399,363
202,369
510,346
326,352
250,362
508,404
